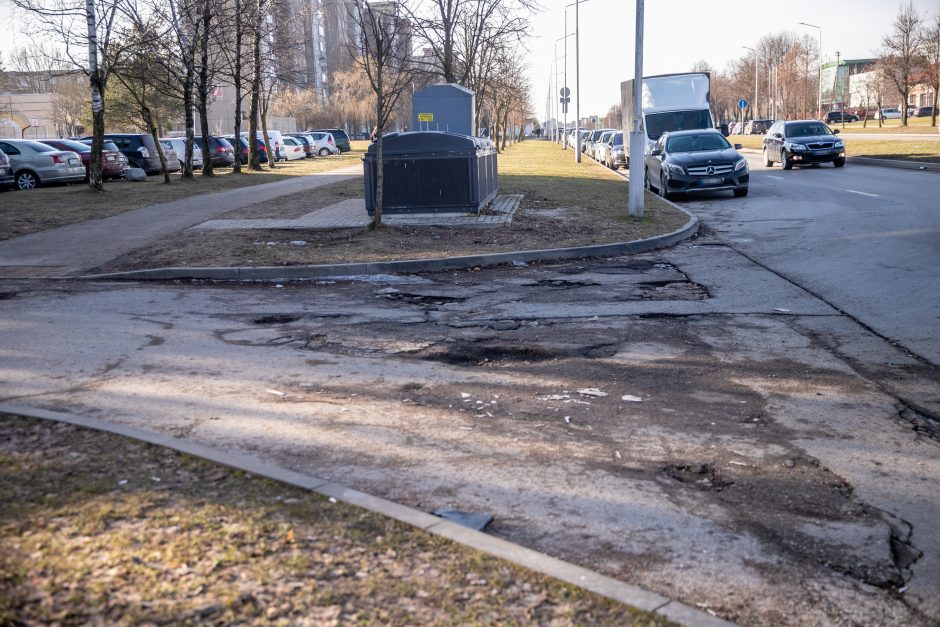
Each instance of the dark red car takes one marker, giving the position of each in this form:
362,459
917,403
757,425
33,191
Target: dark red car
113,163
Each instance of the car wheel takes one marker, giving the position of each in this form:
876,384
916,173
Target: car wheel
840,162
767,161
740,193
26,180
787,164
324,152
663,188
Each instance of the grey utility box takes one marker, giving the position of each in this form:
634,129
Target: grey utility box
432,172
446,107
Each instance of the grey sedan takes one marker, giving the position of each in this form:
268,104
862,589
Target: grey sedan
35,164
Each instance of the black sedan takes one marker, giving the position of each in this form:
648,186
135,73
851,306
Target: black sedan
802,142
696,161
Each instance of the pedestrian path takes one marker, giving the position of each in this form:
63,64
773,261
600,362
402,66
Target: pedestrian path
75,248
352,213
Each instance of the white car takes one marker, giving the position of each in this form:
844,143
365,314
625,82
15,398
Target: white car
325,143
888,114
178,146
600,146
293,149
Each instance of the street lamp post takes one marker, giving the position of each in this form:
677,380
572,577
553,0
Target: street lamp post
577,79
637,140
564,135
756,112
819,111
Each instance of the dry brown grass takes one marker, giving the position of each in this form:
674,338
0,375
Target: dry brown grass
565,204
24,212
97,529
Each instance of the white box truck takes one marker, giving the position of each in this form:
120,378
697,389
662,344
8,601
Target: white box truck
671,102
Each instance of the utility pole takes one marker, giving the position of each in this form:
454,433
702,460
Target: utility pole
637,140
577,79
756,108
819,112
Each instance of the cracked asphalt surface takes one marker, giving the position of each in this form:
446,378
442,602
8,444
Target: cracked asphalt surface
779,466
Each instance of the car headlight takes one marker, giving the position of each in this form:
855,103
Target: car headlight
839,144
796,147
740,165
675,169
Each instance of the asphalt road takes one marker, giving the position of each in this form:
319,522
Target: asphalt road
864,239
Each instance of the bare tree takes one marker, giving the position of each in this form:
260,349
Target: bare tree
900,55
87,48
384,55
931,54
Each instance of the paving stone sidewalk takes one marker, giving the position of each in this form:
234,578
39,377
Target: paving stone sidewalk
352,213
75,248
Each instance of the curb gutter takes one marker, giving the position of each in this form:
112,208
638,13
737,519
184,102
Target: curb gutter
299,273
503,549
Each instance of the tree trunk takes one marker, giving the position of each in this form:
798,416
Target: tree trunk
190,120
254,160
272,150
379,163
95,180
237,80
204,86
152,129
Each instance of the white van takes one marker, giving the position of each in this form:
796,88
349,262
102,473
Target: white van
277,143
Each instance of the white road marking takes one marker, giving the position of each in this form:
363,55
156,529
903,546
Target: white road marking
852,191
771,176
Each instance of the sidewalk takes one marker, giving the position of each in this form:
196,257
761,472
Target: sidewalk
70,250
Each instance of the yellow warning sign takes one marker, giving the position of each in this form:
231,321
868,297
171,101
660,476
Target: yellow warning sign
425,117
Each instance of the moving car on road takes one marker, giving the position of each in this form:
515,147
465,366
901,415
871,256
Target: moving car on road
839,116
803,141
696,161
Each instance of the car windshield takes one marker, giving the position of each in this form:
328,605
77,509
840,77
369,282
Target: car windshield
659,123
697,143
617,139
73,145
807,129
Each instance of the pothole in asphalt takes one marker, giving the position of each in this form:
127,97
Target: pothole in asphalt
671,289
424,299
467,354
564,283
702,476
276,319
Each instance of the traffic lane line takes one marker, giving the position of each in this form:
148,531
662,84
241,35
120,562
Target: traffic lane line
853,191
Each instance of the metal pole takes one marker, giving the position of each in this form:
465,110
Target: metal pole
637,140
819,107
564,143
577,87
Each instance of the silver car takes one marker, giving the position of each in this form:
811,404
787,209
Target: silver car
177,145
600,147
35,164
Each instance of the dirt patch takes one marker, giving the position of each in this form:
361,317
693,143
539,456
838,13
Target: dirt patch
100,529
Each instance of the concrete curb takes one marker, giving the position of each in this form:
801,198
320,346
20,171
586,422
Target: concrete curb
882,163
503,549
299,273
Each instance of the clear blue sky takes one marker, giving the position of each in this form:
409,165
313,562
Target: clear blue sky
680,32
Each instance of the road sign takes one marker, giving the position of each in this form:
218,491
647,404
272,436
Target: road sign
34,122
742,104
425,117
565,92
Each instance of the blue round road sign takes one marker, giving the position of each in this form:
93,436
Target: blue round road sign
742,104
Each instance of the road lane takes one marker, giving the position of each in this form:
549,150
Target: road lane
866,239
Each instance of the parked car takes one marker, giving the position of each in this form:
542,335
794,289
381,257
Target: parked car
242,142
757,127
700,160
584,137
803,141
326,145
309,145
840,116
139,149
35,164
616,156
592,138
888,114
6,172
924,112
294,149
177,145
113,163
276,140
222,151
734,128
600,146
340,137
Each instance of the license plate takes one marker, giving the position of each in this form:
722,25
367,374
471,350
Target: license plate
73,161
821,152
710,181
